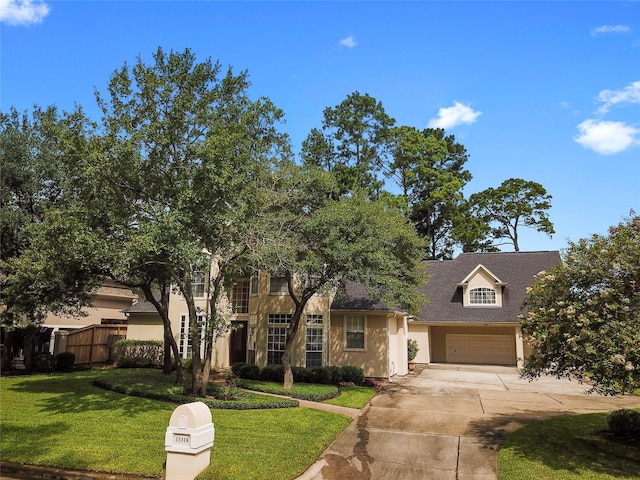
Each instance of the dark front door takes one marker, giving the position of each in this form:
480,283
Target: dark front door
238,343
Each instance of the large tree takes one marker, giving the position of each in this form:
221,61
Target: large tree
428,166
39,173
322,241
514,204
352,143
186,153
584,315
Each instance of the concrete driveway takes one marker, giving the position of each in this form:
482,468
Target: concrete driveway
448,422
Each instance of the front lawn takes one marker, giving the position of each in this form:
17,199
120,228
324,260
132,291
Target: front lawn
64,420
575,447
354,397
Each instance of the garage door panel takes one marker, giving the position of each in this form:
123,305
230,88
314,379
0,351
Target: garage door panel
481,349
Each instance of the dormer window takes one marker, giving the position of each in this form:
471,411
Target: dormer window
482,296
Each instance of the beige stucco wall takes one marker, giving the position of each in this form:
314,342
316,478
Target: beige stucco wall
145,326
398,363
482,279
373,359
420,333
438,336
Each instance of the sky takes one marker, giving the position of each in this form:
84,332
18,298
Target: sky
544,91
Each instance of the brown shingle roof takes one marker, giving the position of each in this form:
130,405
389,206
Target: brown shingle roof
516,269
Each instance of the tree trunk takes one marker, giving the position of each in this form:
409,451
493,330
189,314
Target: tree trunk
294,325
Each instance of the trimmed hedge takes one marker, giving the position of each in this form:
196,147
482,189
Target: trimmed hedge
177,394
625,423
139,353
278,390
323,375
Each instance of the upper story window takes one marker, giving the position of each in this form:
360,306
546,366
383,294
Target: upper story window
254,284
482,296
198,283
278,283
240,296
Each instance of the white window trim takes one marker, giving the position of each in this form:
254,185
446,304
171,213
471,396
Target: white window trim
476,304
318,326
351,349
279,292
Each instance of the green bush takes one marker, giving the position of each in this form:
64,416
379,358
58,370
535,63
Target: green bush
301,375
65,360
352,374
336,375
139,353
235,368
272,374
321,375
412,349
625,423
44,362
250,372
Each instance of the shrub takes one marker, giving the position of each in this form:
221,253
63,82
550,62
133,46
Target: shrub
65,360
235,368
301,375
139,353
321,375
352,374
272,374
250,372
44,362
336,375
412,349
625,423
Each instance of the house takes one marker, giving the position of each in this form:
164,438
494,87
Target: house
347,330
473,307
471,317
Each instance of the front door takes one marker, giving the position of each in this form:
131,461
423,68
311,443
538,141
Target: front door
238,343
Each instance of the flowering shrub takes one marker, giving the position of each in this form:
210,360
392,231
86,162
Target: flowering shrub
583,317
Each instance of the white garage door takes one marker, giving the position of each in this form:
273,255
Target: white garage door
482,349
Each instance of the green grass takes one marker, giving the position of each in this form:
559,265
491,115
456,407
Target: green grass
567,448
353,397
65,421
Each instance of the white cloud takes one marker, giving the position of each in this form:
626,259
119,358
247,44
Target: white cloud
22,12
604,29
451,116
607,138
629,94
348,42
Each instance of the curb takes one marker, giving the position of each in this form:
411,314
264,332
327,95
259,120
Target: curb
33,472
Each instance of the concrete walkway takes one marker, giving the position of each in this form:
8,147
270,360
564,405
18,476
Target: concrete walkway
448,422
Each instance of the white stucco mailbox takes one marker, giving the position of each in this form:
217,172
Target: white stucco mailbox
188,441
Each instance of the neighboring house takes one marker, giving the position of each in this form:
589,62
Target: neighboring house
471,317
106,309
473,307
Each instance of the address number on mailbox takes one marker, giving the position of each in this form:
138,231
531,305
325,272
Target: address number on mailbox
180,439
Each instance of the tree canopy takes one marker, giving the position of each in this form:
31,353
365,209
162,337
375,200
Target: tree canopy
584,315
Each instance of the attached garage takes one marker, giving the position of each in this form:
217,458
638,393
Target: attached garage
481,349
483,345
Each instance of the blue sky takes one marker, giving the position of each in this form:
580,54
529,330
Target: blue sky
544,91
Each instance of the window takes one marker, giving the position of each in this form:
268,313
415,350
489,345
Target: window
240,296
254,284
278,283
482,296
314,341
277,337
198,283
354,329
184,343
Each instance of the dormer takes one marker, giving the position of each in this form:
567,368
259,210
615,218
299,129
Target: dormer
481,288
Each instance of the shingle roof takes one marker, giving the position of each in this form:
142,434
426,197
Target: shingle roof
354,296
516,269
143,306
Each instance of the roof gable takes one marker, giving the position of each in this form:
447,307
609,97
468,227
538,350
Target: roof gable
475,271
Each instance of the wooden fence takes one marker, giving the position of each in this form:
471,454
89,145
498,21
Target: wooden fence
94,344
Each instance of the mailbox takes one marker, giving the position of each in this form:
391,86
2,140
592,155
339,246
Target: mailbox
188,441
